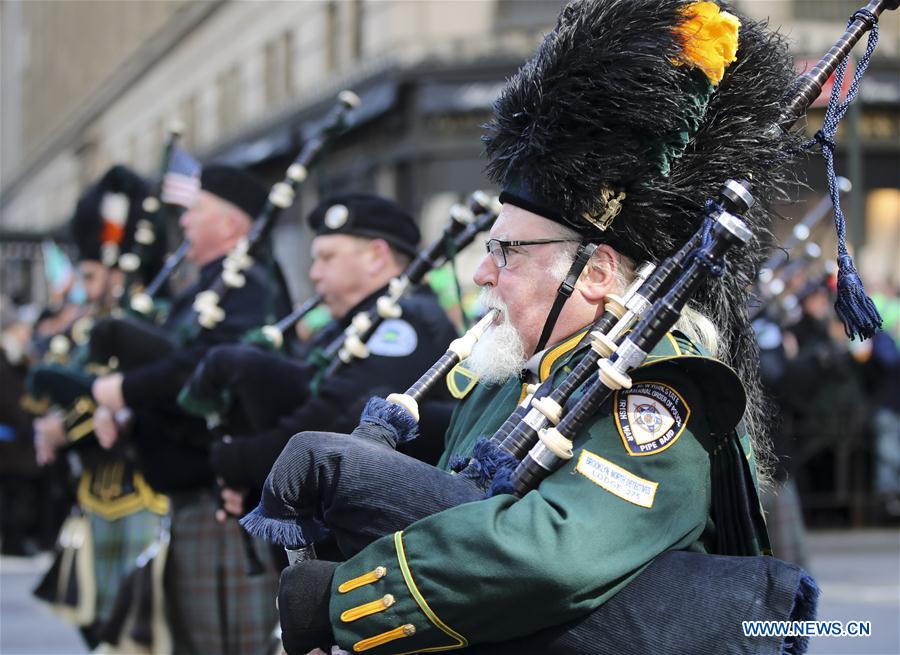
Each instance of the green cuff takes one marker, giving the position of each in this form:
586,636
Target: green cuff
378,608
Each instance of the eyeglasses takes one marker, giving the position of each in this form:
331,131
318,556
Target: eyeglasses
497,249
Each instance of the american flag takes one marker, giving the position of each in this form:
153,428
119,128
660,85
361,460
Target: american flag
181,183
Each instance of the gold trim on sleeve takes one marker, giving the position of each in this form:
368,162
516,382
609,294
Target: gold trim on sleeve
367,609
407,630
366,578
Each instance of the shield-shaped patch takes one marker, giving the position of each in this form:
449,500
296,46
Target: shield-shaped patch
650,416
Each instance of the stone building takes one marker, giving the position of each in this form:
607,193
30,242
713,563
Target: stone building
88,83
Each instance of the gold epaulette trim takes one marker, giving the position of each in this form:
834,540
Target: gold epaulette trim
366,578
34,405
356,613
407,630
81,430
154,501
143,497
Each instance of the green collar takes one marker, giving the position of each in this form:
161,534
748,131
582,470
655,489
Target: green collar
553,358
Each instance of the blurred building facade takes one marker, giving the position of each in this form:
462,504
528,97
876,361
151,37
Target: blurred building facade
87,83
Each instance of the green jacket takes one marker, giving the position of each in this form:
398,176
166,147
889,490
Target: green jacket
491,570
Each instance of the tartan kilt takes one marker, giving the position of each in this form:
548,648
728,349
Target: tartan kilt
214,607
117,545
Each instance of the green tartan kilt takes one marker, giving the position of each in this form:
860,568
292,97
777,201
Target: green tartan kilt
116,547
214,606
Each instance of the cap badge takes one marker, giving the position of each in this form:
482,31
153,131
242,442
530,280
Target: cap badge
611,200
336,217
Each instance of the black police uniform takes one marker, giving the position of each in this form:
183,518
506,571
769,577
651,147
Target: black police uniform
173,451
276,397
172,446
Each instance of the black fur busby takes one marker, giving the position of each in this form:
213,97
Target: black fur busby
109,217
86,225
145,231
613,117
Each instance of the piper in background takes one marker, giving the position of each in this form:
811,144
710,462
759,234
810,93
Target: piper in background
173,448
122,510
362,241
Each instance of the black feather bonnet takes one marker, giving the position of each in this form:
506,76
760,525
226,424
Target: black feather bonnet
109,222
635,112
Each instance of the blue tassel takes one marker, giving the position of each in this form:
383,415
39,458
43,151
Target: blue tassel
458,463
399,425
276,531
502,483
289,533
487,458
855,309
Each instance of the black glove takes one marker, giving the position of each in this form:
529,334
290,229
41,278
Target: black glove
303,598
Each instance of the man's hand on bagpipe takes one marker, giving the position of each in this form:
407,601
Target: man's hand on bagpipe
49,437
107,391
105,428
109,416
233,502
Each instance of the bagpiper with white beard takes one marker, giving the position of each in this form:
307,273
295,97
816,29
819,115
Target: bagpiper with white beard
607,145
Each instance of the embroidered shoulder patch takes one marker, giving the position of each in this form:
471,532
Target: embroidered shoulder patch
460,381
393,338
650,417
616,480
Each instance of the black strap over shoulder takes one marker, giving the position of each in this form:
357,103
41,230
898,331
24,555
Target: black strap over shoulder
584,254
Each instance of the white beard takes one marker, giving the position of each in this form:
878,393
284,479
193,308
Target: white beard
500,354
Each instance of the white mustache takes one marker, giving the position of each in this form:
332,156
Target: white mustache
499,354
489,299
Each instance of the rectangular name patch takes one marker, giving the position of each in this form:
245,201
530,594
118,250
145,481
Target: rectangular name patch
616,480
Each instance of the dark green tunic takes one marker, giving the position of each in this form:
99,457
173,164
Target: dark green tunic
486,571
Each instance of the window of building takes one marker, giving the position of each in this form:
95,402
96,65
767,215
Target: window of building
187,114
358,17
229,90
332,36
279,57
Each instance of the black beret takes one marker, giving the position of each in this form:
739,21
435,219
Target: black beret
366,215
235,185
